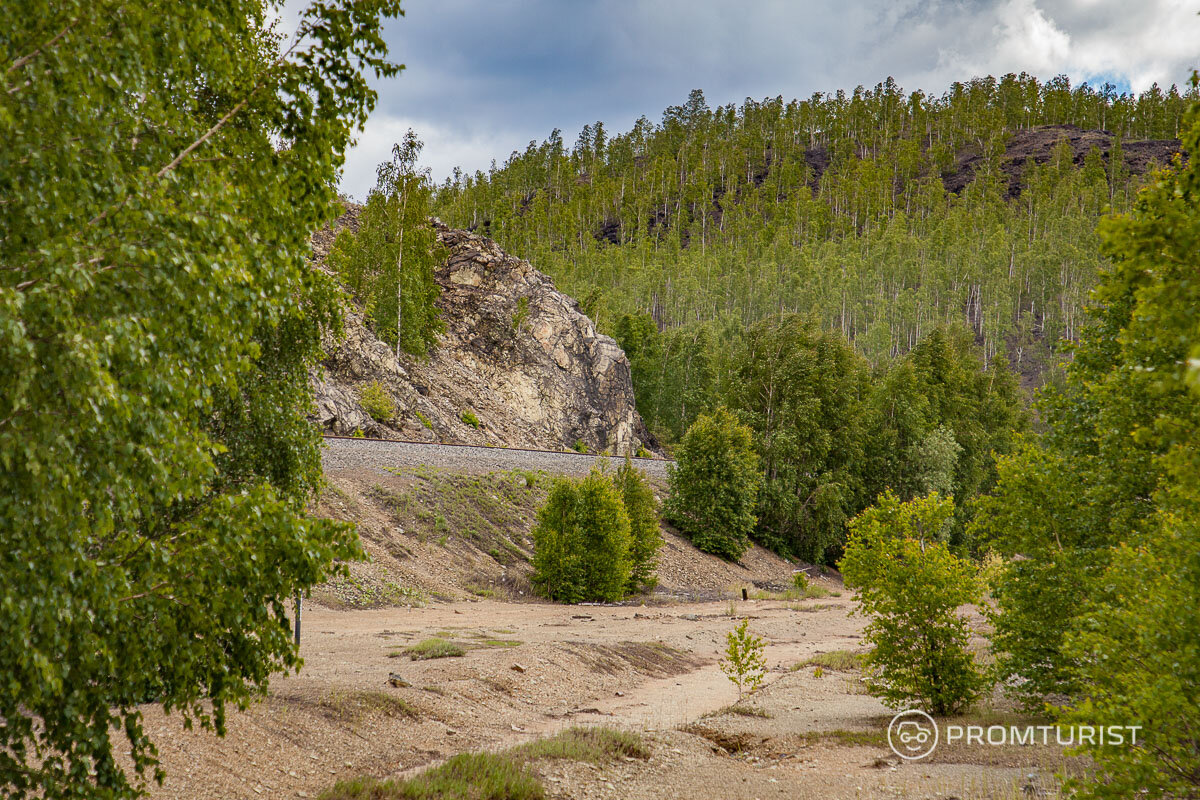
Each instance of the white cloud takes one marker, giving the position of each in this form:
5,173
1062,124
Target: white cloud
445,148
485,78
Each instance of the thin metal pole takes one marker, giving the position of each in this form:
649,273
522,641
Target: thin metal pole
298,602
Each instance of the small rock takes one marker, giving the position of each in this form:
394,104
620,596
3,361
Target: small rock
397,681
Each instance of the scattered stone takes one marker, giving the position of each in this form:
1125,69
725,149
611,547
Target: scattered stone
517,668
397,681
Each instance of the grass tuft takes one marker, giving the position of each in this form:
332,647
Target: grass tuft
496,776
593,745
839,660
467,776
434,648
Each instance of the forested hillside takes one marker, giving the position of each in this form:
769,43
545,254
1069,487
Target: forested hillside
879,213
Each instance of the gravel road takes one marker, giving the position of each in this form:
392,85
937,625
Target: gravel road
345,454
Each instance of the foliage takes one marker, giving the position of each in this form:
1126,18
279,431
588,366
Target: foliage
1039,520
469,418
942,415
161,172
744,662
582,542
673,372
834,205
1136,642
803,394
714,484
376,401
388,262
911,586
644,535
1100,476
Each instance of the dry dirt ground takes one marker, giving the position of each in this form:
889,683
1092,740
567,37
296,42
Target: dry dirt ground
449,560
362,707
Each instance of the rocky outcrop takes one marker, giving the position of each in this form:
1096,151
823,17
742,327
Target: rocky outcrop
518,366
1032,146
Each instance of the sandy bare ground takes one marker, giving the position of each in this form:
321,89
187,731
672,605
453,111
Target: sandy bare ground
532,669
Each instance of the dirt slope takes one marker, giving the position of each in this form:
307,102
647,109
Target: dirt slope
434,534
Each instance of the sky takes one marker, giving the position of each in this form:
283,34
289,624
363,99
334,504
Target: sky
485,77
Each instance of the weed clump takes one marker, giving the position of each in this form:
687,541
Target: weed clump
434,648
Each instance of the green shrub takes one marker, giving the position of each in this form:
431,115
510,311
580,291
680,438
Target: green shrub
744,662
911,586
377,402
424,419
800,582
581,542
714,485
580,446
642,452
644,535
469,418
1039,514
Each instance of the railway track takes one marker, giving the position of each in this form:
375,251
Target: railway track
347,453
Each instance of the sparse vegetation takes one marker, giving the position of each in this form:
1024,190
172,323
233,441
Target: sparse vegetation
744,662
839,660
580,446
354,591
351,706
376,401
497,776
593,745
466,776
424,420
521,315
434,648
469,418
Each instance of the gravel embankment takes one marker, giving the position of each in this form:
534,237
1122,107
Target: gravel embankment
353,454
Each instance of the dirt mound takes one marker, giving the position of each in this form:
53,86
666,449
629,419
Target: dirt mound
1037,145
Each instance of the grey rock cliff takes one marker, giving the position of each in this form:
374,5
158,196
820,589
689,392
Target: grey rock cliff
516,353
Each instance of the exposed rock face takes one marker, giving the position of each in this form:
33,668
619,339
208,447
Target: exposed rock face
517,354
1037,146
